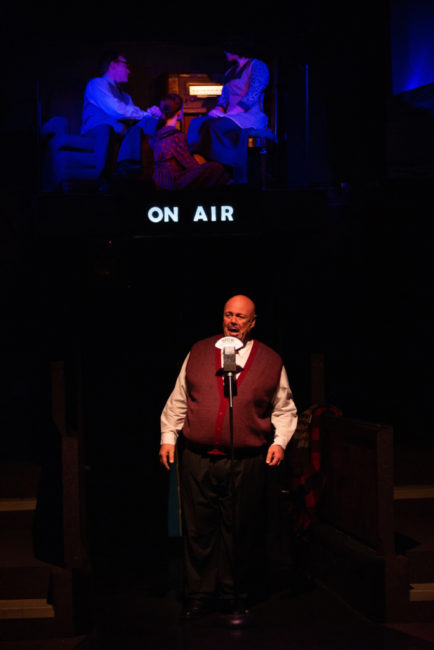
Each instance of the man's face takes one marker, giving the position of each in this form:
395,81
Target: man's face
119,70
239,317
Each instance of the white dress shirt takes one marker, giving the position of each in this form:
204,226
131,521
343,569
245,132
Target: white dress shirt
106,103
283,416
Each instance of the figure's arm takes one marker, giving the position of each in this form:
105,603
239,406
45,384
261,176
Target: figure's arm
154,111
217,111
258,82
172,418
222,104
283,418
259,77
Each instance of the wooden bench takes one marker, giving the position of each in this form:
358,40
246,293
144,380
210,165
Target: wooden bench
44,569
351,549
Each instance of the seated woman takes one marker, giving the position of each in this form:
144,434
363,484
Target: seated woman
218,135
174,166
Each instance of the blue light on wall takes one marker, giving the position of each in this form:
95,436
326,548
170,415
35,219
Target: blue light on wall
412,43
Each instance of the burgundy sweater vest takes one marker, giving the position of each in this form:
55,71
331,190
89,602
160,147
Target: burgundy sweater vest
207,419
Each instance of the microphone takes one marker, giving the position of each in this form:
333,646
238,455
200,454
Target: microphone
229,363
229,345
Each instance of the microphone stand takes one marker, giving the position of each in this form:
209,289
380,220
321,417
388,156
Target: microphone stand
237,618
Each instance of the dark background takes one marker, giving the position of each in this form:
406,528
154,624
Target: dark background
344,273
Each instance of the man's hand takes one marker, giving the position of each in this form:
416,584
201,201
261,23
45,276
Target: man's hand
275,455
167,455
218,111
155,111
236,110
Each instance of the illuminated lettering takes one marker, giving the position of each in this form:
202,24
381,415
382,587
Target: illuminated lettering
226,213
157,214
171,214
212,213
200,214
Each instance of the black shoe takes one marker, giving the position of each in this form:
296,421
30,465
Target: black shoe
128,169
196,608
104,186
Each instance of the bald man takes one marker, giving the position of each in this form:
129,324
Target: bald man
196,416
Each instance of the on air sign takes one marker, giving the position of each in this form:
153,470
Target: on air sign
212,213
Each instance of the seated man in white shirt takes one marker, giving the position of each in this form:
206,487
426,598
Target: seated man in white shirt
106,104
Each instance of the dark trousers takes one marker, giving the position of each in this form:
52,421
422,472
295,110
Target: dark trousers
222,140
210,558
131,146
129,143
104,142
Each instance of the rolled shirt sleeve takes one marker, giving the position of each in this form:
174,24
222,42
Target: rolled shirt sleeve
284,415
173,415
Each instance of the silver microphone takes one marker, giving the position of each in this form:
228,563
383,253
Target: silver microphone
229,345
229,362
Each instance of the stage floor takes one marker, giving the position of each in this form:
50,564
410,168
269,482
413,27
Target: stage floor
134,613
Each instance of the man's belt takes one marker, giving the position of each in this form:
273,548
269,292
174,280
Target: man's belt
224,452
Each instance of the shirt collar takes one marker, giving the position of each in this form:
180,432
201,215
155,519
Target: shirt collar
111,81
246,347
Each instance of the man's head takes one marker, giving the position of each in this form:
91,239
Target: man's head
115,64
239,46
239,317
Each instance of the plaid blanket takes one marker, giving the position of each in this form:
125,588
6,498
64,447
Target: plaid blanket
307,475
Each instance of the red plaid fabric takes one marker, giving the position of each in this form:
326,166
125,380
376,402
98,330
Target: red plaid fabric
171,156
176,168
308,485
